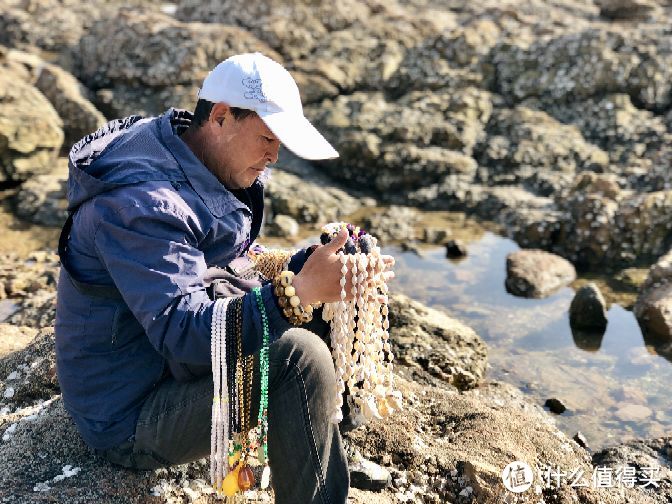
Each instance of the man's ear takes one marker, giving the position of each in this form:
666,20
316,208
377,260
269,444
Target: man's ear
219,113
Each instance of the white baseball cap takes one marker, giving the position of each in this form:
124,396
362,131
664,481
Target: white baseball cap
255,82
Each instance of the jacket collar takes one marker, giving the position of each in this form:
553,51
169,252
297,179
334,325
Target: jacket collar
219,200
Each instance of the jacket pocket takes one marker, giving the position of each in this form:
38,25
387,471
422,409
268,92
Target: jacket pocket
125,327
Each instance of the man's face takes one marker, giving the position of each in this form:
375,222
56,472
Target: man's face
237,152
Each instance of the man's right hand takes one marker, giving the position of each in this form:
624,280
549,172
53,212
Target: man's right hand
319,279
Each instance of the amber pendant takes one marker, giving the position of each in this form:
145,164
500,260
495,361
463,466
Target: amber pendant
245,478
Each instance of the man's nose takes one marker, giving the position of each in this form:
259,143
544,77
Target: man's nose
272,154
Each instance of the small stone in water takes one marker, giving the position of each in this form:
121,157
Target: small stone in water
555,405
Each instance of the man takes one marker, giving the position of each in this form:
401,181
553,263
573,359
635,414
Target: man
154,203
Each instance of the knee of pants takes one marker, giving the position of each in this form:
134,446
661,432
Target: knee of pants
309,353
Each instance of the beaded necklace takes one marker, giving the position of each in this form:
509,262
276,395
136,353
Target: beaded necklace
262,419
219,434
360,329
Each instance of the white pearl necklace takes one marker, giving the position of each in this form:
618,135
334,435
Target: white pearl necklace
359,349
219,433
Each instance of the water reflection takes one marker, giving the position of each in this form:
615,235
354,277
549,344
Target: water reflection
590,341
599,376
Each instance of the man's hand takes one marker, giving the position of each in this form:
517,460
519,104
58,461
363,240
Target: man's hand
319,279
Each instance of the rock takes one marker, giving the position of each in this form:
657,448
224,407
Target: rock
36,365
631,279
391,224
653,308
531,148
393,147
555,405
448,441
535,273
367,475
43,199
71,101
52,25
148,61
574,65
456,249
24,278
31,132
14,338
320,202
650,461
283,226
453,59
612,122
626,9
436,345
435,235
581,440
588,309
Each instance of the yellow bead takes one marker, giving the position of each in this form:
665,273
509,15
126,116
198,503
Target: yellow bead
294,301
286,278
230,484
290,291
298,310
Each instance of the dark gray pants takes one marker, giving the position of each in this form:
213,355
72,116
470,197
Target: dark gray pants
306,454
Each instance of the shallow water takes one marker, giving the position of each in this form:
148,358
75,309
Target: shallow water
614,387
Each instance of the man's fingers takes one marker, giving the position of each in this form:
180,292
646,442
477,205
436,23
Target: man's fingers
336,242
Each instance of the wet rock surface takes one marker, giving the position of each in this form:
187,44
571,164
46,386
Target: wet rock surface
536,274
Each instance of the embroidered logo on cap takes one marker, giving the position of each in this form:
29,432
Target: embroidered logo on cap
254,91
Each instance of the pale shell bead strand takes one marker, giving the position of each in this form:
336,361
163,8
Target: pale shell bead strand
219,427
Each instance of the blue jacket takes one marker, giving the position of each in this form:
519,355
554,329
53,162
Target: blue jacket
149,218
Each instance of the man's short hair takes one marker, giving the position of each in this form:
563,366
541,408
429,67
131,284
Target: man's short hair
204,107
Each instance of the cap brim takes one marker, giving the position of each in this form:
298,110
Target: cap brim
298,135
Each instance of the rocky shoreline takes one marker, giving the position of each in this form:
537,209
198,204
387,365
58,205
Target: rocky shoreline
551,120
449,444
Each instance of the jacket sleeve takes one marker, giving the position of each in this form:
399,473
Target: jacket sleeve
153,259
